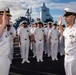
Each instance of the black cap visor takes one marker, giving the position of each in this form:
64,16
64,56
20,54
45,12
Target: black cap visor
69,13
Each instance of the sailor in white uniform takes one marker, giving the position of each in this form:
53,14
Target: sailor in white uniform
61,44
32,42
31,29
39,36
47,43
20,26
4,42
12,34
53,38
24,40
70,40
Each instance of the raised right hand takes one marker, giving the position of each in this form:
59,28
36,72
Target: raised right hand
4,18
60,20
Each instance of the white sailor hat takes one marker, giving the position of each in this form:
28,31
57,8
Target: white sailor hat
54,24
23,22
7,11
44,23
39,22
69,11
50,23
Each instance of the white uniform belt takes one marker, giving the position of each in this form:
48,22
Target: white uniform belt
25,39
40,40
54,39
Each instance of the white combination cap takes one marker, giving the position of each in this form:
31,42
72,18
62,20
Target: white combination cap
69,11
7,11
23,22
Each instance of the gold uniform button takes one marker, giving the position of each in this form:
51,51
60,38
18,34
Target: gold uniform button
66,53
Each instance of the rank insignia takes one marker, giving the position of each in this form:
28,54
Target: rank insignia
71,36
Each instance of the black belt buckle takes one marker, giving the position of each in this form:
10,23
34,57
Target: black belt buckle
39,40
25,39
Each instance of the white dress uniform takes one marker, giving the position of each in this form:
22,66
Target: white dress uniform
61,45
43,29
18,29
70,50
32,43
31,32
4,54
24,39
12,35
39,37
17,35
53,34
47,44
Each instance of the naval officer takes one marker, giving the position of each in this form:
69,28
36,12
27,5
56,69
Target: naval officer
12,34
53,38
4,42
47,43
24,41
70,40
39,39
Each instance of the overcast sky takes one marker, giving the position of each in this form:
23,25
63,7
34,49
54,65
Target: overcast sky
19,7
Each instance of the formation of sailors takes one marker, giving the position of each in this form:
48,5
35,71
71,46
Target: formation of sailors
38,37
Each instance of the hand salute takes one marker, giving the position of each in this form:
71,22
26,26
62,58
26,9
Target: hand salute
5,20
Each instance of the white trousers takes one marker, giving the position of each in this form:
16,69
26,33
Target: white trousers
39,49
11,50
48,47
70,66
61,47
25,49
54,48
4,66
34,48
